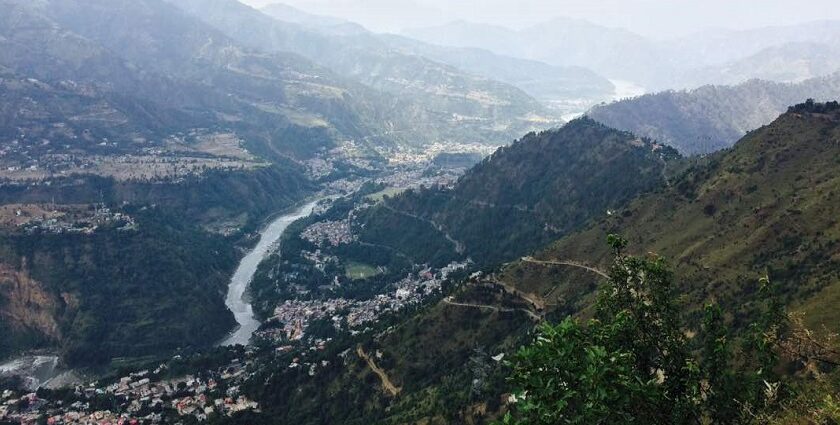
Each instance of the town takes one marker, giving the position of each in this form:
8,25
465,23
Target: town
295,315
140,397
59,219
152,397
174,158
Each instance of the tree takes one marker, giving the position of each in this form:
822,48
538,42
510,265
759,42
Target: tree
632,363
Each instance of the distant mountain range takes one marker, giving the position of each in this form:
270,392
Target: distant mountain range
687,62
711,118
614,53
130,70
790,62
424,100
550,84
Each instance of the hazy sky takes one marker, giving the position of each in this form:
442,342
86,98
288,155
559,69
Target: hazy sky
655,18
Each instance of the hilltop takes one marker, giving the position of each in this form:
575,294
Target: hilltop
527,194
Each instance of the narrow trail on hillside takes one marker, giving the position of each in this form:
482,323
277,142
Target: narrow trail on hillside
534,299
485,204
567,263
460,248
530,313
386,381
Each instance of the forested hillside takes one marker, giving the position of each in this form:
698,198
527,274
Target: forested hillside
131,74
534,191
119,74
144,284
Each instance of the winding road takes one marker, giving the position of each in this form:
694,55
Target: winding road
567,263
459,246
535,316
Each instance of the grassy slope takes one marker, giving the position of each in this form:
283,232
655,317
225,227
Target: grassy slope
766,206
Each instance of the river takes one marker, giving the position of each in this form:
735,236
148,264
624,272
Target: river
623,90
36,371
40,370
626,90
236,299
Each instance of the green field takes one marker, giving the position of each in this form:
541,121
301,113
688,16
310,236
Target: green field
390,192
360,271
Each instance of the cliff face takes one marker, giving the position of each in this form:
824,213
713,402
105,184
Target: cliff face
27,308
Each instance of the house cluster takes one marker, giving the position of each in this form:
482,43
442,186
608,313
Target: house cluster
138,398
412,177
401,156
318,259
354,154
121,166
294,316
344,186
334,233
317,168
85,224
29,409
22,154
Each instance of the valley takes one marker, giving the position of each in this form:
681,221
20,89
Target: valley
242,311
223,212
376,269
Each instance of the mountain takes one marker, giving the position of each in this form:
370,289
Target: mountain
563,88
145,145
140,148
321,23
615,53
552,85
286,13
137,59
145,57
427,101
721,46
96,269
525,195
684,62
711,118
762,207
722,56
788,63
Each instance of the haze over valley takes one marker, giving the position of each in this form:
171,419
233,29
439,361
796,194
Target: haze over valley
419,212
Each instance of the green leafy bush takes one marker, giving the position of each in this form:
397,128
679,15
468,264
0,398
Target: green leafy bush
634,363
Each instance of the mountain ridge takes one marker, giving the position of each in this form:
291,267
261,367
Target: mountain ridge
543,185
711,118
